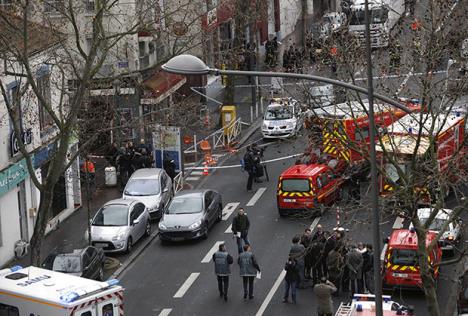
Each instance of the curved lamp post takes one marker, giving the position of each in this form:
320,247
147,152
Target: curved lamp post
191,65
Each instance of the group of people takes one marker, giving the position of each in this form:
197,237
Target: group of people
293,59
271,52
248,266
252,164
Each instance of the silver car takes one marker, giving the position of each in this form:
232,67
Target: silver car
190,215
119,224
153,187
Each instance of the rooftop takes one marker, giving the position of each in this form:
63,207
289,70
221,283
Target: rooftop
411,124
351,109
403,144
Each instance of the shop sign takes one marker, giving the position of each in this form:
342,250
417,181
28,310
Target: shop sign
26,137
11,177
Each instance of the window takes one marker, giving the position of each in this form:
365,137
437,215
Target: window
88,313
8,310
208,198
43,85
142,187
138,210
325,179
108,310
295,185
89,5
53,6
405,257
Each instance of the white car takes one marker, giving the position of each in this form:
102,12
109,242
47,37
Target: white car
453,233
283,118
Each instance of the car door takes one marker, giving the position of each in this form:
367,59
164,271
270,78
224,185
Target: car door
165,189
86,272
138,210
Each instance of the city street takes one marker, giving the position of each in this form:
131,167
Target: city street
178,278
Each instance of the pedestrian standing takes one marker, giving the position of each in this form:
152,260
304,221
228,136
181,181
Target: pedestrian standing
306,239
335,266
248,268
297,252
323,291
316,251
240,228
319,235
249,166
369,270
354,263
290,279
222,262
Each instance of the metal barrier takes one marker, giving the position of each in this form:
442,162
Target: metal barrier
178,183
219,139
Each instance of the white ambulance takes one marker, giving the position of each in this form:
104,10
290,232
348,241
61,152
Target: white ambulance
34,291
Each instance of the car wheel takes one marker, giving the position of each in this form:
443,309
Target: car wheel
148,229
220,213
281,213
101,274
129,244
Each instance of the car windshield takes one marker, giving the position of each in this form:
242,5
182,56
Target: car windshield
295,185
142,187
404,257
279,113
185,205
436,225
67,263
112,215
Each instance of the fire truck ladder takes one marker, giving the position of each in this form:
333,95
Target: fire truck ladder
344,310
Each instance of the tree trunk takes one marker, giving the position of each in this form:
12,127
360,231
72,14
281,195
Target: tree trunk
428,282
41,224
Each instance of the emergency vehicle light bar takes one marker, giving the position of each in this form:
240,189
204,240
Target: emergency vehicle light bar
10,270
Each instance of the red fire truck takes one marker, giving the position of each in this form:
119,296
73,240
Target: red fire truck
408,137
401,263
303,187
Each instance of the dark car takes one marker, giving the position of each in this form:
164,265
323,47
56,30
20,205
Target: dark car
87,263
190,215
463,293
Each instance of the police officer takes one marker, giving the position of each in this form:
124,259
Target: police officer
222,264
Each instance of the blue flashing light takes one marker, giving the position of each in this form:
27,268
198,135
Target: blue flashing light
112,282
69,297
16,268
457,113
359,308
386,299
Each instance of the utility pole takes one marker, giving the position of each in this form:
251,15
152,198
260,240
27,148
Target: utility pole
88,199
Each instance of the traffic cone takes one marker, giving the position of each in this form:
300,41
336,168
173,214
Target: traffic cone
205,168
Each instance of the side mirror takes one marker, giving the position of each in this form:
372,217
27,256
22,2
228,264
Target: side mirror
136,221
165,189
386,240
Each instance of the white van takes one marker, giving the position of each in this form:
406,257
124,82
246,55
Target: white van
34,291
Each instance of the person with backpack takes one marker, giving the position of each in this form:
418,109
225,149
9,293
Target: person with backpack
290,279
222,262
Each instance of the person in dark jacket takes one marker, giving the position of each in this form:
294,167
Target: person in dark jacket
222,263
248,268
240,228
297,252
249,166
316,254
369,270
323,291
290,279
335,264
306,239
354,263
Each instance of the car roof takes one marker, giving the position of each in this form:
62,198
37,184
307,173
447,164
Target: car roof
120,201
441,214
147,173
200,192
303,170
407,237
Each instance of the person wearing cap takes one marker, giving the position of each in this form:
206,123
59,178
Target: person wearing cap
222,264
323,291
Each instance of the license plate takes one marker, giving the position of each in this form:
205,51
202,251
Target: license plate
177,238
400,275
289,200
100,245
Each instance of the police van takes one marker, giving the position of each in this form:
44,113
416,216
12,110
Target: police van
34,291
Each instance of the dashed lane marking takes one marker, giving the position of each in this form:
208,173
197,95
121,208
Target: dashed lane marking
403,84
278,281
187,284
192,178
229,209
398,223
165,312
210,253
256,197
197,173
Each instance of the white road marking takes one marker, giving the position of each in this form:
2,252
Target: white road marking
165,312
271,293
229,209
189,164
447,16
192,178
278,281
398,223
229,230
256,197
187,284
210,253
197,173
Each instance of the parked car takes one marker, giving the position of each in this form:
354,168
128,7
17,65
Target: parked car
86,263
454,230
119,224
283,118
153,187
190,215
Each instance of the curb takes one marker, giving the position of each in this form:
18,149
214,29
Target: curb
133,256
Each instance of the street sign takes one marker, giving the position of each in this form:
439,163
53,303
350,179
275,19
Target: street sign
167,144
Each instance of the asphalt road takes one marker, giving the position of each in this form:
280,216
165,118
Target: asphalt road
162,272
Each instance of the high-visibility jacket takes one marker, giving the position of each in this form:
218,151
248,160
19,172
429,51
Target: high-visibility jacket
88,166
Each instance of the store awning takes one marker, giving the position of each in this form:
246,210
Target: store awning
161,85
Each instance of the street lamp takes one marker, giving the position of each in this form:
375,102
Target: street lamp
191,65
